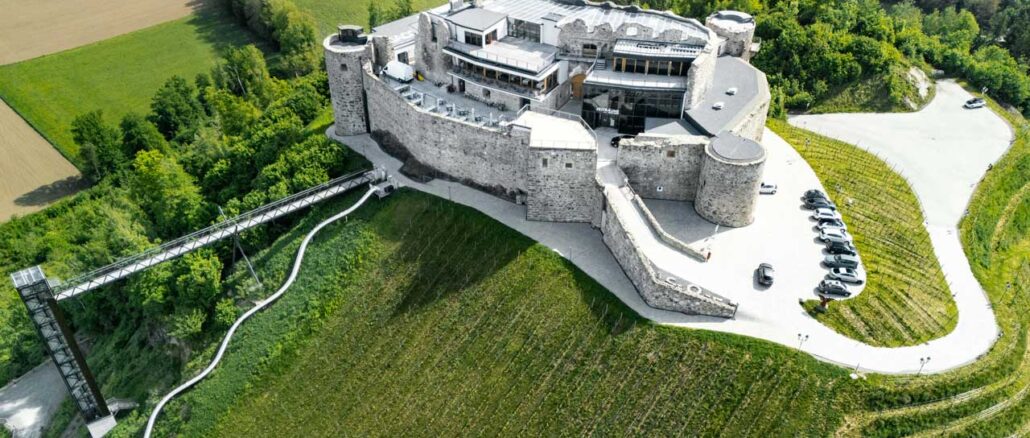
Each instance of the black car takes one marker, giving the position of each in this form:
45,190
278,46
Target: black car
833,223
834,287
814,203
814,194
618,139
764,274
841,248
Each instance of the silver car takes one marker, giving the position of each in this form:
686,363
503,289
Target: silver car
846,275
831,235
825,213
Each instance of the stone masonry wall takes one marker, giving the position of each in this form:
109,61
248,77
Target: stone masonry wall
699,80
343,65
430,59
729,190
489,157
658,293
672,163
384,52
563,189
753,125
475,92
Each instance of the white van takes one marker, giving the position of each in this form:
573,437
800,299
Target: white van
399,71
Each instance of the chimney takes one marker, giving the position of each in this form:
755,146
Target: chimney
456,5
477,3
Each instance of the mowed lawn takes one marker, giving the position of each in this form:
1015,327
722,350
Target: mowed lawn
422,315
906,300
116,75
330,13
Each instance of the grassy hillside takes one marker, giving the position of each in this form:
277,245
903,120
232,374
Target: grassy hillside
329,13
906,300
419,314
990,397
116,75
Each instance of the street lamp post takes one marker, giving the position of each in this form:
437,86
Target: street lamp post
922,363
801,340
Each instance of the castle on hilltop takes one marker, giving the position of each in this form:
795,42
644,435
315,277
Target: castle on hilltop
511,97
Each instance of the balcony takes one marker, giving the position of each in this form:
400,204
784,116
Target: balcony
524,56
503,81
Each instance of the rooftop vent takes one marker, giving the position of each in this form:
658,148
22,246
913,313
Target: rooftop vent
732,91
718,106
349,33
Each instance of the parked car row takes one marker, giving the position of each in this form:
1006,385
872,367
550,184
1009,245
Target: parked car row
842,257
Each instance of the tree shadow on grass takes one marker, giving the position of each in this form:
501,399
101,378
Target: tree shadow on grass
453,248
47,194
215,24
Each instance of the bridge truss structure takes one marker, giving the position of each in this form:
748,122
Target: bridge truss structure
41,295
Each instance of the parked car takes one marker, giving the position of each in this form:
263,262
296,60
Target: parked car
618,139
842,261
834,287
825,213
399,71
845,275
764,274
831,225
975,103
834,235
841,248
814,203
814,194
767,189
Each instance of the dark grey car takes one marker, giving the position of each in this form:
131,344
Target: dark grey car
764,274
841,261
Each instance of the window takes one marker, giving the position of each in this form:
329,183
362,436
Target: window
670,153
525,30
473,39
432,31
568,165
544,163
403,57
590,50
343,67
491,37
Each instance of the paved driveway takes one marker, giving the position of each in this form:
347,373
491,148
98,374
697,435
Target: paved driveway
942,150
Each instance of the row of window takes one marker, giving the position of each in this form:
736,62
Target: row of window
651,67
627,110
545,162
525,30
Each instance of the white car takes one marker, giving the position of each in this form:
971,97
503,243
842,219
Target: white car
846,275
975,103
767,189
831,226
834,235
825,213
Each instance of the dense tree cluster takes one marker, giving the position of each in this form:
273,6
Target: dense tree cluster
290,30
237,138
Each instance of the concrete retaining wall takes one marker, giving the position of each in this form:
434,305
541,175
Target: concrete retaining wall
679,245
657,292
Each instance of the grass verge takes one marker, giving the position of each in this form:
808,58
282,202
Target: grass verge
906,300
420,314
330,13
118,75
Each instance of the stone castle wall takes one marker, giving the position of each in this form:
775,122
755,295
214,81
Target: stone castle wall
344,65
657,292
672,164
561,185
729,190
430,59
490,157
699,80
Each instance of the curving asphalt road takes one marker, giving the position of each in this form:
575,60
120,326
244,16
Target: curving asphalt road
774,314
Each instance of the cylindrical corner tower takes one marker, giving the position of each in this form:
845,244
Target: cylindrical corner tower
731,174
738,28
345,55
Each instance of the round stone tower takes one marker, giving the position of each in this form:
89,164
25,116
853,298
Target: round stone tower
731,174
738,28
345,55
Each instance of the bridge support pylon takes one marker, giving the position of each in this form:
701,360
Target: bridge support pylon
57,336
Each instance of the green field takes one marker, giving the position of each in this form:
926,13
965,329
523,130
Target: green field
420,314
906,300
117,75
330,13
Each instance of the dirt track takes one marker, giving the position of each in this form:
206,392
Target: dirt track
32,28
32,173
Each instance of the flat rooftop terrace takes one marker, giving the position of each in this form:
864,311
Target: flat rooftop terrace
559,131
